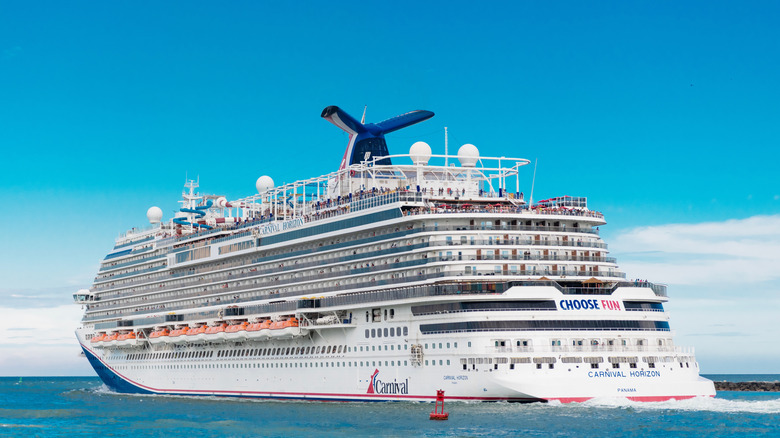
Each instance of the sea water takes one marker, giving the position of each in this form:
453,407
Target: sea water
70,406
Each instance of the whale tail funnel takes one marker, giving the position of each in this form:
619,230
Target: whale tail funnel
368,140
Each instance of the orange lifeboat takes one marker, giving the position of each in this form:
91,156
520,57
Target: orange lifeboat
178,336
215,332
110,339
196,334
97,341
159,335
127,339
287,328
236,332
254,330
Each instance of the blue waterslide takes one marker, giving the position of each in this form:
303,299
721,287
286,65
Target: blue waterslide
199,211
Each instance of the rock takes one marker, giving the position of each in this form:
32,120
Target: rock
748,386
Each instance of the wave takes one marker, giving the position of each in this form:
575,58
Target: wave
701,404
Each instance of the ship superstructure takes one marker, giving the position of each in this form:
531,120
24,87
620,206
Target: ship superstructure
388,279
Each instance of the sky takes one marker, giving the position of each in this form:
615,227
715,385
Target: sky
664,114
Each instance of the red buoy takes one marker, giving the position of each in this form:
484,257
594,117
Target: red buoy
438,410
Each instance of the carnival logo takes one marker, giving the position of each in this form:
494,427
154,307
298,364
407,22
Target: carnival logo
371,385
379,387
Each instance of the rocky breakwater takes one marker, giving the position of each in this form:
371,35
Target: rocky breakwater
748,386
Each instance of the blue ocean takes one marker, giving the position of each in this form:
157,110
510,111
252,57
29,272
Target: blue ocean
83,406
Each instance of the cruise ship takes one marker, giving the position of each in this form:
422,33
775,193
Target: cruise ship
387,280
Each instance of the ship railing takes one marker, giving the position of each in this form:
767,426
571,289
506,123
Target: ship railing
482,227
131,263
324,209
229,297
506,210
600,348
100,281
276,282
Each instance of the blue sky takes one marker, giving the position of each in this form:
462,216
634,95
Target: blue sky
661,113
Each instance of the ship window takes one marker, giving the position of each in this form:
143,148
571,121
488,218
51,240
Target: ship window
367,332
392,313
373,333
406,331
594,365
385,331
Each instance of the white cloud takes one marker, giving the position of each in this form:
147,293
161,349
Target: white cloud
41,342
737,251
723,286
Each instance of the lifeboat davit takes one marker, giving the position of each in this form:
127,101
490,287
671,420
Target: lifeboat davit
215,333
287,329
159,336
236,332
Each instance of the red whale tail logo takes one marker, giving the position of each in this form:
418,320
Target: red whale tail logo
371,384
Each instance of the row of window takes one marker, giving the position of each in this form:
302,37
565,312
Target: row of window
478,326
387,332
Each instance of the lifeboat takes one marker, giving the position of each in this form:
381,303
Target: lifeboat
159,335
196,334
97,341
127,339
215,332
236,332
287,329
110,339
258,331
178,336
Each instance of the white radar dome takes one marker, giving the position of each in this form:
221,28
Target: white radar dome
154,214
264,183
468,154
420,153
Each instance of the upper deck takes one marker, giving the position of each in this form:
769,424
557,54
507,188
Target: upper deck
478,185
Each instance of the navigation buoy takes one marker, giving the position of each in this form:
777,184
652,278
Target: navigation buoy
438,410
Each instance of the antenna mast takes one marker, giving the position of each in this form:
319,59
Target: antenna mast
533,181
446,162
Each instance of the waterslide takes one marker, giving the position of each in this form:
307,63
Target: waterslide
199,211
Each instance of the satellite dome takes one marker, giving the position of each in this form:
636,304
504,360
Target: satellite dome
154,214
420,153
468,154
264,183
